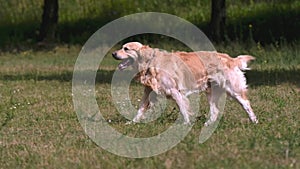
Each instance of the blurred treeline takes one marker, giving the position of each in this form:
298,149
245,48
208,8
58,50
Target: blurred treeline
263,21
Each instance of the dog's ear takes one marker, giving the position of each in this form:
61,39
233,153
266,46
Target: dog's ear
145,47
145,54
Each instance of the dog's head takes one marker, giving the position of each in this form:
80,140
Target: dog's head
129,54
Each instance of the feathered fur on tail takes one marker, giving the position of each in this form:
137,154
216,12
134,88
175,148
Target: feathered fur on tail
242,60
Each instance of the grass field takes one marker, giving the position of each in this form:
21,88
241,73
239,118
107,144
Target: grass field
39,128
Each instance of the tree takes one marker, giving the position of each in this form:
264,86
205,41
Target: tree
217,20
49,21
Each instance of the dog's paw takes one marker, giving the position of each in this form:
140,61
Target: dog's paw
129,122
255,121
187,123
206,124
209,122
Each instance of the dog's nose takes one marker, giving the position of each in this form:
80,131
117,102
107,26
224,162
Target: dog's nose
114,54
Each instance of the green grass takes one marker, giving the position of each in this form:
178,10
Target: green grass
39,128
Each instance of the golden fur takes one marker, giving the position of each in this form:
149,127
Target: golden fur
178,74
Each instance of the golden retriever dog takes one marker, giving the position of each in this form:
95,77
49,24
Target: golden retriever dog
179,74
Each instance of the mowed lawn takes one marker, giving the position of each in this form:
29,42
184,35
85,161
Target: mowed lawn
39,127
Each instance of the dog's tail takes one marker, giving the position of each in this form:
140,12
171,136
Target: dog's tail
242,61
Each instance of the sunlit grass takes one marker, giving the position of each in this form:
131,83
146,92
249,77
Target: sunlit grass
39,128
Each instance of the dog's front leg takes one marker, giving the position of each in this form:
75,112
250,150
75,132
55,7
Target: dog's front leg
145,104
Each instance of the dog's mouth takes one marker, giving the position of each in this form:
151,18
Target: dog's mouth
125,63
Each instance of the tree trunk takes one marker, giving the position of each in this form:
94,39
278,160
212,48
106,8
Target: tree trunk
49,21
217,21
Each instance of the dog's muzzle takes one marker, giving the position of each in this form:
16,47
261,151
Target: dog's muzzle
125,62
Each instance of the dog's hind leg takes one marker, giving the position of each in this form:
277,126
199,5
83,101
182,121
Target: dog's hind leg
237,89
242,99
145,104
183,104
216,97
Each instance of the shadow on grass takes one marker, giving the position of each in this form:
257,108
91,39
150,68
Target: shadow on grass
102,76
273,77
63,76
254,77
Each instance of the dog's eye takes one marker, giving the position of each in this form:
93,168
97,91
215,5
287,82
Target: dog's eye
125,48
